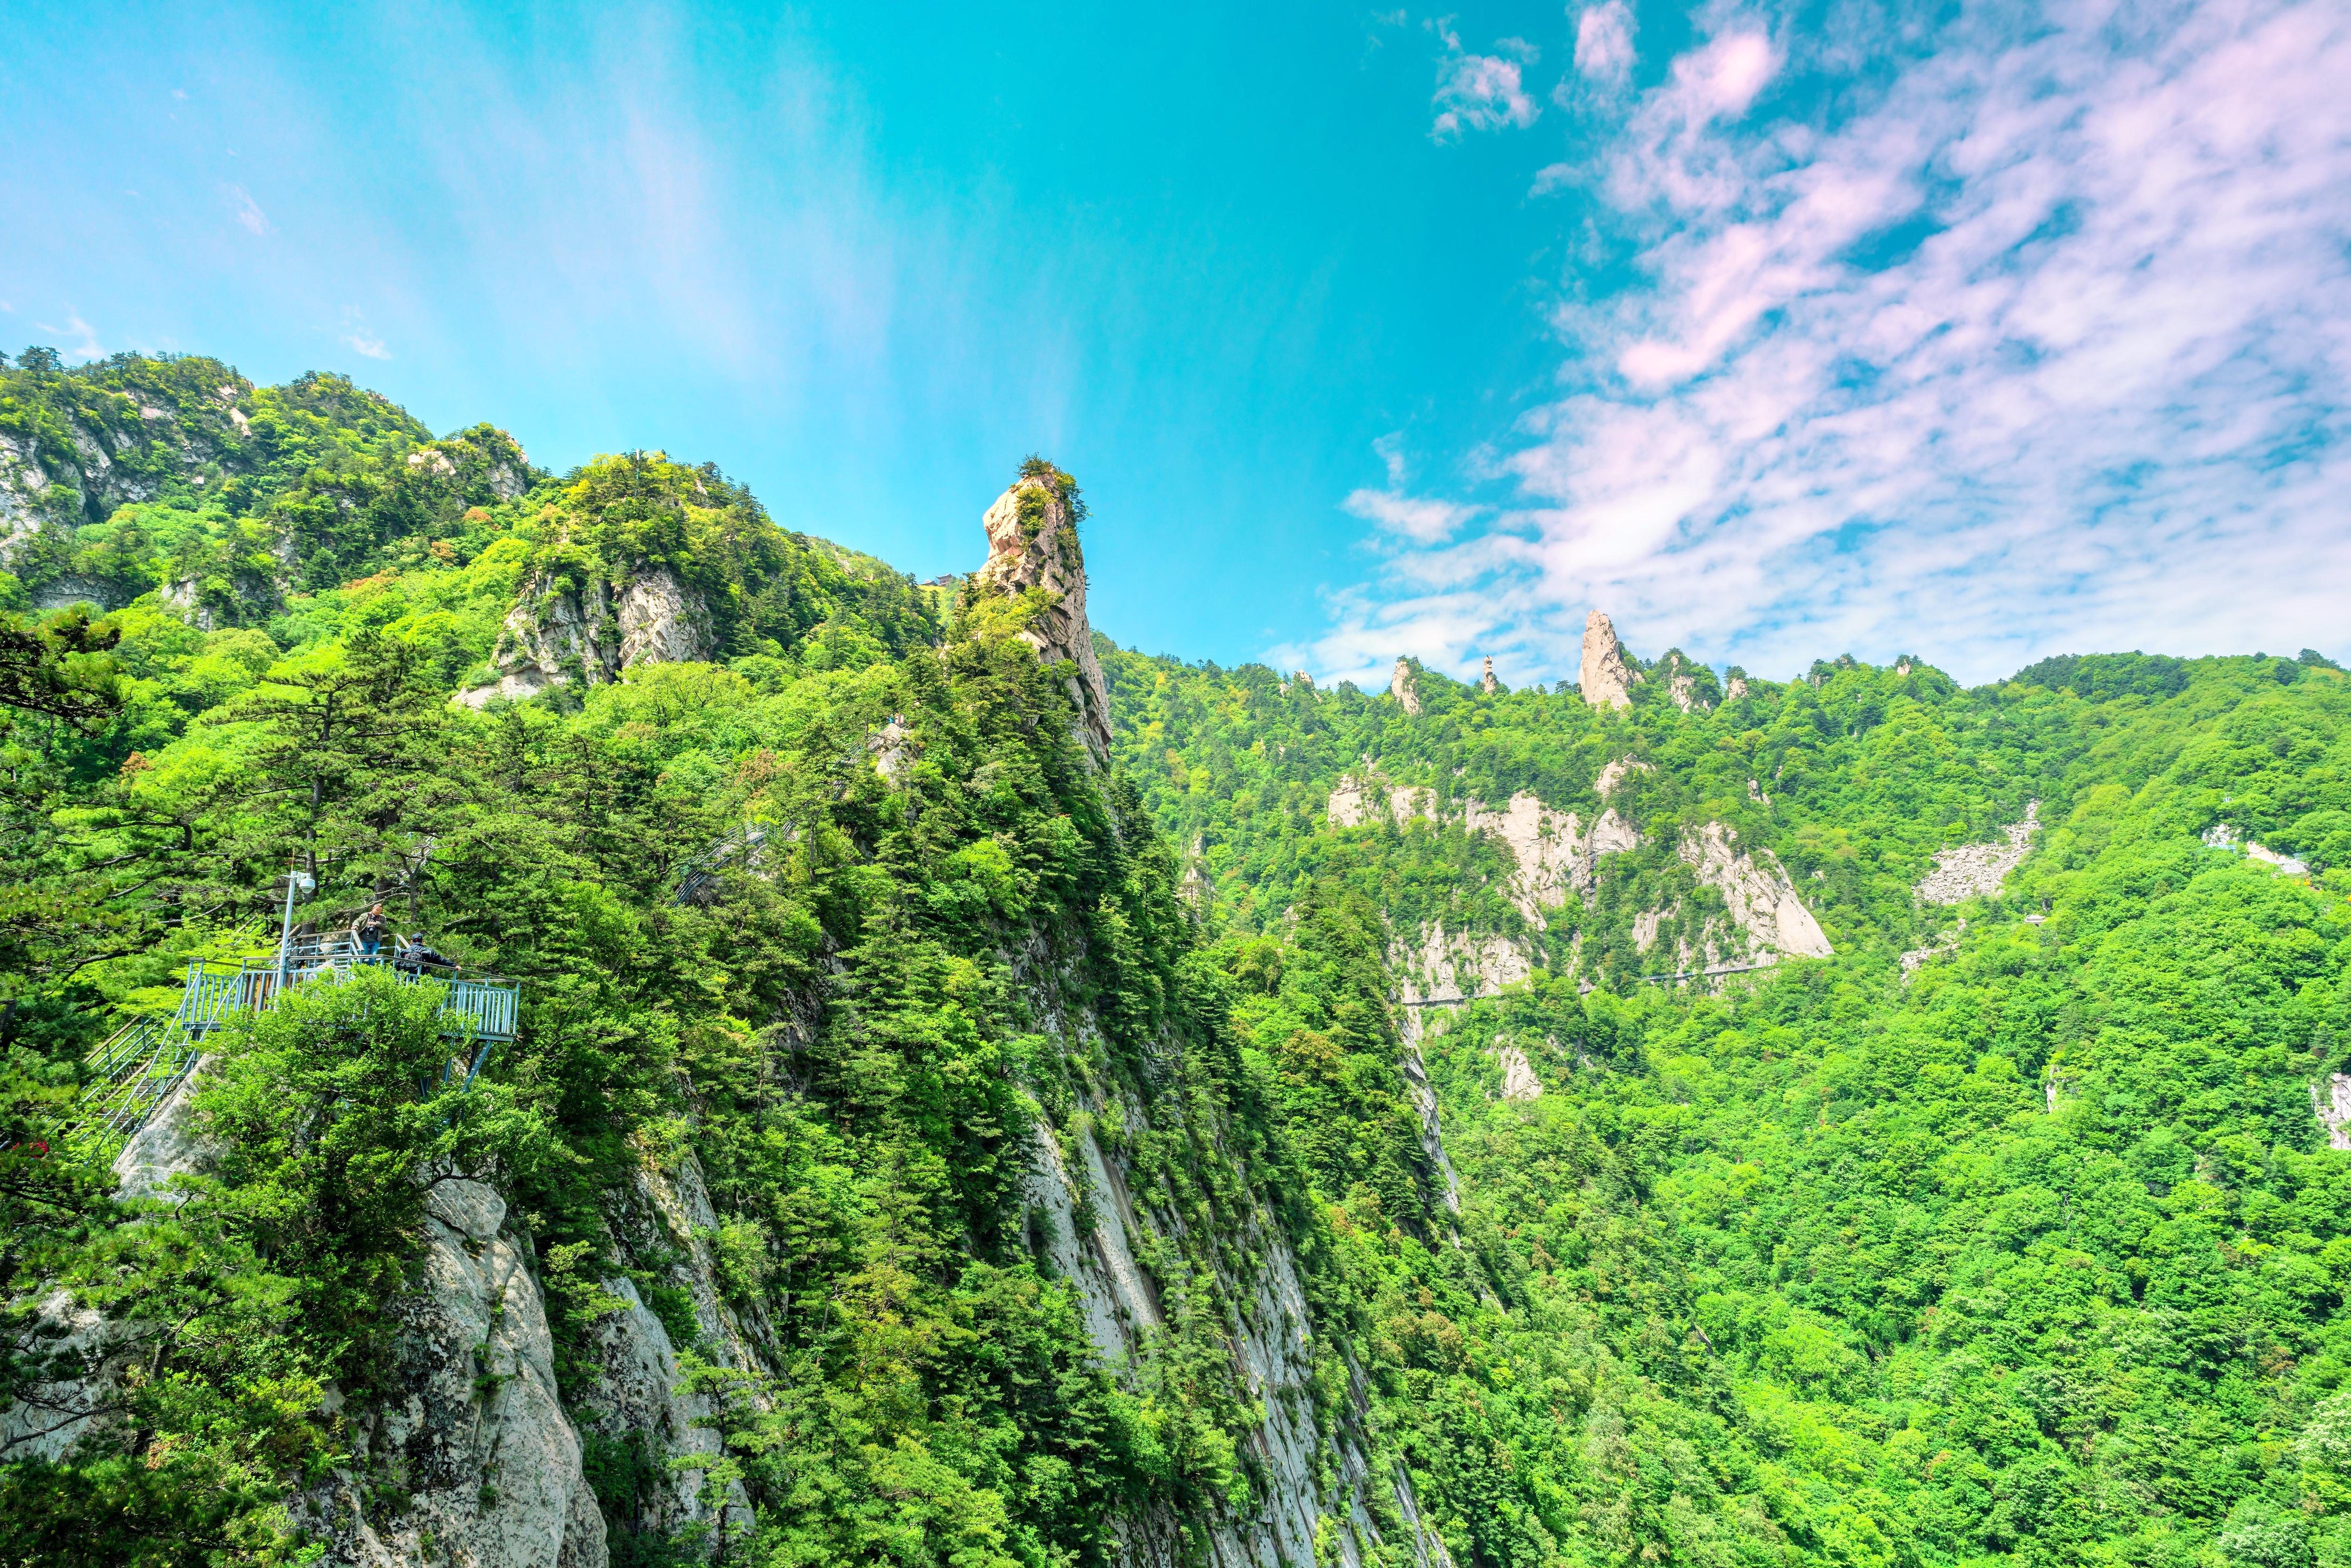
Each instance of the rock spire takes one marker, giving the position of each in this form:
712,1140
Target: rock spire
1487,682
1606,680
1400,684
1032,542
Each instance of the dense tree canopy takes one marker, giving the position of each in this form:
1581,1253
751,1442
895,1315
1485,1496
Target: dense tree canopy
2033,1250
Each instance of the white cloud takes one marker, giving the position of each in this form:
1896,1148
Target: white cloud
75,327
1421,521
1481,92
359,338
2039,347
1603,42
249,211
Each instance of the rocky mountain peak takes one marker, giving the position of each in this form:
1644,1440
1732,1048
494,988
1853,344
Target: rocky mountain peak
1032,542
1487,682
1400,685
1606,679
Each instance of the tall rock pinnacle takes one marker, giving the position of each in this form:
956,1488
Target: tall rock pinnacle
1401,685
1032,542
1487,682
1605,679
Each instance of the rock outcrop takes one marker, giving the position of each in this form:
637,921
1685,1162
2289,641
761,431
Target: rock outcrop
1518,1080
1976,871
1487,682
471,1422
1364,797
1553,861
588,633
1032,544
1688,684
1400,686
1317,1480
87,1353
1755,887
2333,1109
491,1464
1606,680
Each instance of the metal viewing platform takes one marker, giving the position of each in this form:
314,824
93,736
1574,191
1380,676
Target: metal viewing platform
143,1061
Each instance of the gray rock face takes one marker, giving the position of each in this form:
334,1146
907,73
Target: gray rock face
2334,1109
1032,543
1605,679
1976,871
90,1353
1487,682
1311,1476
1762,901
558,633
472,1425
489,1462
667,1220
1401,687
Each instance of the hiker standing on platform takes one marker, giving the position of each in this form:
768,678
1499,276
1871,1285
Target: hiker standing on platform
368,930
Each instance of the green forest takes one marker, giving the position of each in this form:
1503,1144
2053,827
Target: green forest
2011,1230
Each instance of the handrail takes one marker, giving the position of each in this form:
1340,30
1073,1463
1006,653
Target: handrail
138,1066
485,1006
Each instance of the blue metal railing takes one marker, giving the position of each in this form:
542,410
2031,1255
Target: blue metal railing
486,1009
140,1064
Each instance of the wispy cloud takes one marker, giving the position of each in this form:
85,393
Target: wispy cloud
2040,345
359,338
1481,92
1421,521
249,211
76,340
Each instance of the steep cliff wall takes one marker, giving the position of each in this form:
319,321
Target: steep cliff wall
467,1456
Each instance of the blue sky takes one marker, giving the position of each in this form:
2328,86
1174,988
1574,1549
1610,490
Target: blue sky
1981,333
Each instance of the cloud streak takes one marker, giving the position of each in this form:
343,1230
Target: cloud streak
2039,346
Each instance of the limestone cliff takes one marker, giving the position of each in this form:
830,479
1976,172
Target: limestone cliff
488,1460
1604,680
588,632
1032,545
1762,901
1400,686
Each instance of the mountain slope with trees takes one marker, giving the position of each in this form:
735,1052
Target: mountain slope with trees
2011,1229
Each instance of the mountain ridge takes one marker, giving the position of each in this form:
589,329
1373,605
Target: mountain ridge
954,1166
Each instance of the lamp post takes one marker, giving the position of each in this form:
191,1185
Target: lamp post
295,879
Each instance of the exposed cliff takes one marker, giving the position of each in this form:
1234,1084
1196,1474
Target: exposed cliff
484,1462
1401,687
466,1456
1604,678
586,631
1033,549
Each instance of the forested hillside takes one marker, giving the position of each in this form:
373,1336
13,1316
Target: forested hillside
935,1136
